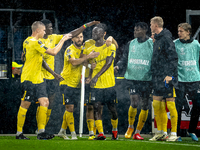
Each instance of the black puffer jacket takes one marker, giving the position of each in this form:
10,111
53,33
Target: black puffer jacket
165,59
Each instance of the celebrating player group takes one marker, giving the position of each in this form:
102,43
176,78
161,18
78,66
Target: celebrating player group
154,65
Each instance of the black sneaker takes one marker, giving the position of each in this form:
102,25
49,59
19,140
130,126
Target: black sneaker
100,137
21,137
114,135
45,136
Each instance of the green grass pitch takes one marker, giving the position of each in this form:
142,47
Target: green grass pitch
10,143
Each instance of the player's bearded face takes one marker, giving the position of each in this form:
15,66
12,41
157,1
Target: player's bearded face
78,41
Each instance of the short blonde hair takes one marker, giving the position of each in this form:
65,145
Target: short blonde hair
186,26
158,20
36,25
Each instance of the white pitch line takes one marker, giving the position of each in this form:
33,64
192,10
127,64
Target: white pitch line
165,143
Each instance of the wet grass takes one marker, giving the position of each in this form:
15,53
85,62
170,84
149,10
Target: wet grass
10,143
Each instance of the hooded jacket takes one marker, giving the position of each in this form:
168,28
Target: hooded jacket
164,60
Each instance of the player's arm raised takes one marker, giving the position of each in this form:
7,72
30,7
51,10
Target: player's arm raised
55,50
77,31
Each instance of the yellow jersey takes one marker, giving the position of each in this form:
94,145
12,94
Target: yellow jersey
33,50
70,73
86,45
107,79
50,42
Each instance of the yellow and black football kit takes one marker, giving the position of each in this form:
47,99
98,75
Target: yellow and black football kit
104,89
87,45
71,75
51,82
32,76
51,42
107,79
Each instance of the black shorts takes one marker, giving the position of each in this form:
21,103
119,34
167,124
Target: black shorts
32,92
142,88
165,92
51,86
70,95
105,96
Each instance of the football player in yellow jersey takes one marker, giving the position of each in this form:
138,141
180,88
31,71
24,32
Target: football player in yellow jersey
102,80
70,86
90,110
51,40
32,79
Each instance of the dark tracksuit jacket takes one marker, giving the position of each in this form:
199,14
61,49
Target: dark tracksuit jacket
164,60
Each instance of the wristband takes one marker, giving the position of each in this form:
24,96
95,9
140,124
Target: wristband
173,78
89,66
84,26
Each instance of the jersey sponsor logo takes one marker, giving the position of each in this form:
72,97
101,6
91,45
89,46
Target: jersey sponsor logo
139,61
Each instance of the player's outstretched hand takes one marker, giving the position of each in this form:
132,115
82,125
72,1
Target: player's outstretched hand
87,81
89,24
93,54
58,77
67,36
116,68
109,41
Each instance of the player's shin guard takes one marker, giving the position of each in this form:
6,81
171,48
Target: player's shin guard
157,114
42,116
70,121
21,116
99,126
114,124
164,117
142,119
132,112
173,114
64,123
